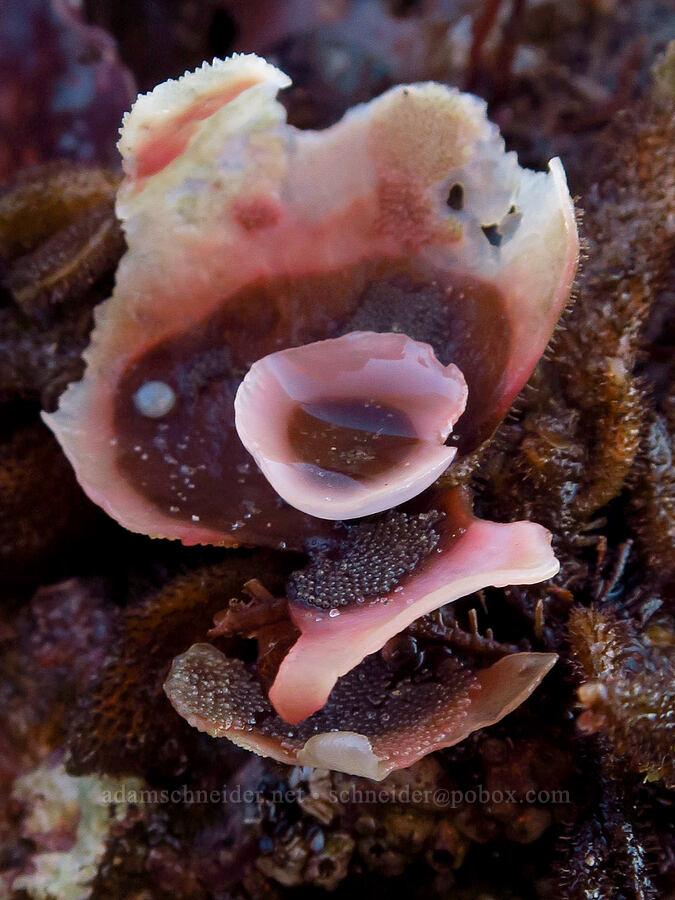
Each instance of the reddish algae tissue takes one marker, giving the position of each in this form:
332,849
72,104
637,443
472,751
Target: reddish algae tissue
321,278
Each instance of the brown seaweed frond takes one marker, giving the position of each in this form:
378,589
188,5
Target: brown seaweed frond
40,201
42,507
652,500
628,688
573,441
59,246
124,722
604,854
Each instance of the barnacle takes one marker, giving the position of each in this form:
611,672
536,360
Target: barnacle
317,846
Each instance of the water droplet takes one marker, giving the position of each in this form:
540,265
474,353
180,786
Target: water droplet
154,399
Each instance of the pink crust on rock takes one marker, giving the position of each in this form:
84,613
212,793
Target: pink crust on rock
367,380
220,696
243,198
471,554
